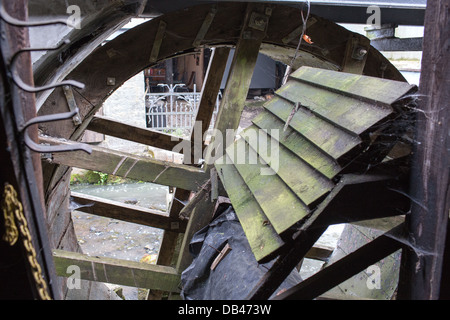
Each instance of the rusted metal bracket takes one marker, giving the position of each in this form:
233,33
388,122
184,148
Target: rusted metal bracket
52,149
68,92
260,21
20,23
31,89
356,54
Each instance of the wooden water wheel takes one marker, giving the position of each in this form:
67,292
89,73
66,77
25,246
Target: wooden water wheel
250,28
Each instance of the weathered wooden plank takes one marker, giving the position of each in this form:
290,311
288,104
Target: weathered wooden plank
285,263
425,276
332,140
117,271
303,180
130,166
158,41
211,87
241,72
262,237
114,128
200,217
330,211
346,112
126,212
297,144
205,26
210,90
280,205
382,91
362,197
318,252
343,269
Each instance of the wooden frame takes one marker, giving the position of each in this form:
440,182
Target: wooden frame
183,177
126,212
117,271
130,166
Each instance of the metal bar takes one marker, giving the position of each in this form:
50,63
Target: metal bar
68,92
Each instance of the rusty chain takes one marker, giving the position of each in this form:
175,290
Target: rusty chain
13,211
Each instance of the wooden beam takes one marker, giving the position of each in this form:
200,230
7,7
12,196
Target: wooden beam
205,26
158,41
320,253
430,173
126,212
211,86
241,71
116,271
200,217
363,197
129,166
111,127
344,268
322,217
286,262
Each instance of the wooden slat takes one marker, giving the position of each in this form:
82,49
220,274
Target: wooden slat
363,197
117,271
320,253
129,166
159,37
298,145
126,212
369,199
240,75
303,180
323,134
376,90
343,269
261,236
205,26
114,128
348,113
280,205
211,86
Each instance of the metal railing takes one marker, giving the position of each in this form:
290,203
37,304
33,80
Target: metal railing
174,110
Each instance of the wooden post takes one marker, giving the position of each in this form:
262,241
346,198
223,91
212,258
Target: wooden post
422,261
240,76
205,111
211,86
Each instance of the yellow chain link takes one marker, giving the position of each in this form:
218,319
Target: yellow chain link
12,208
